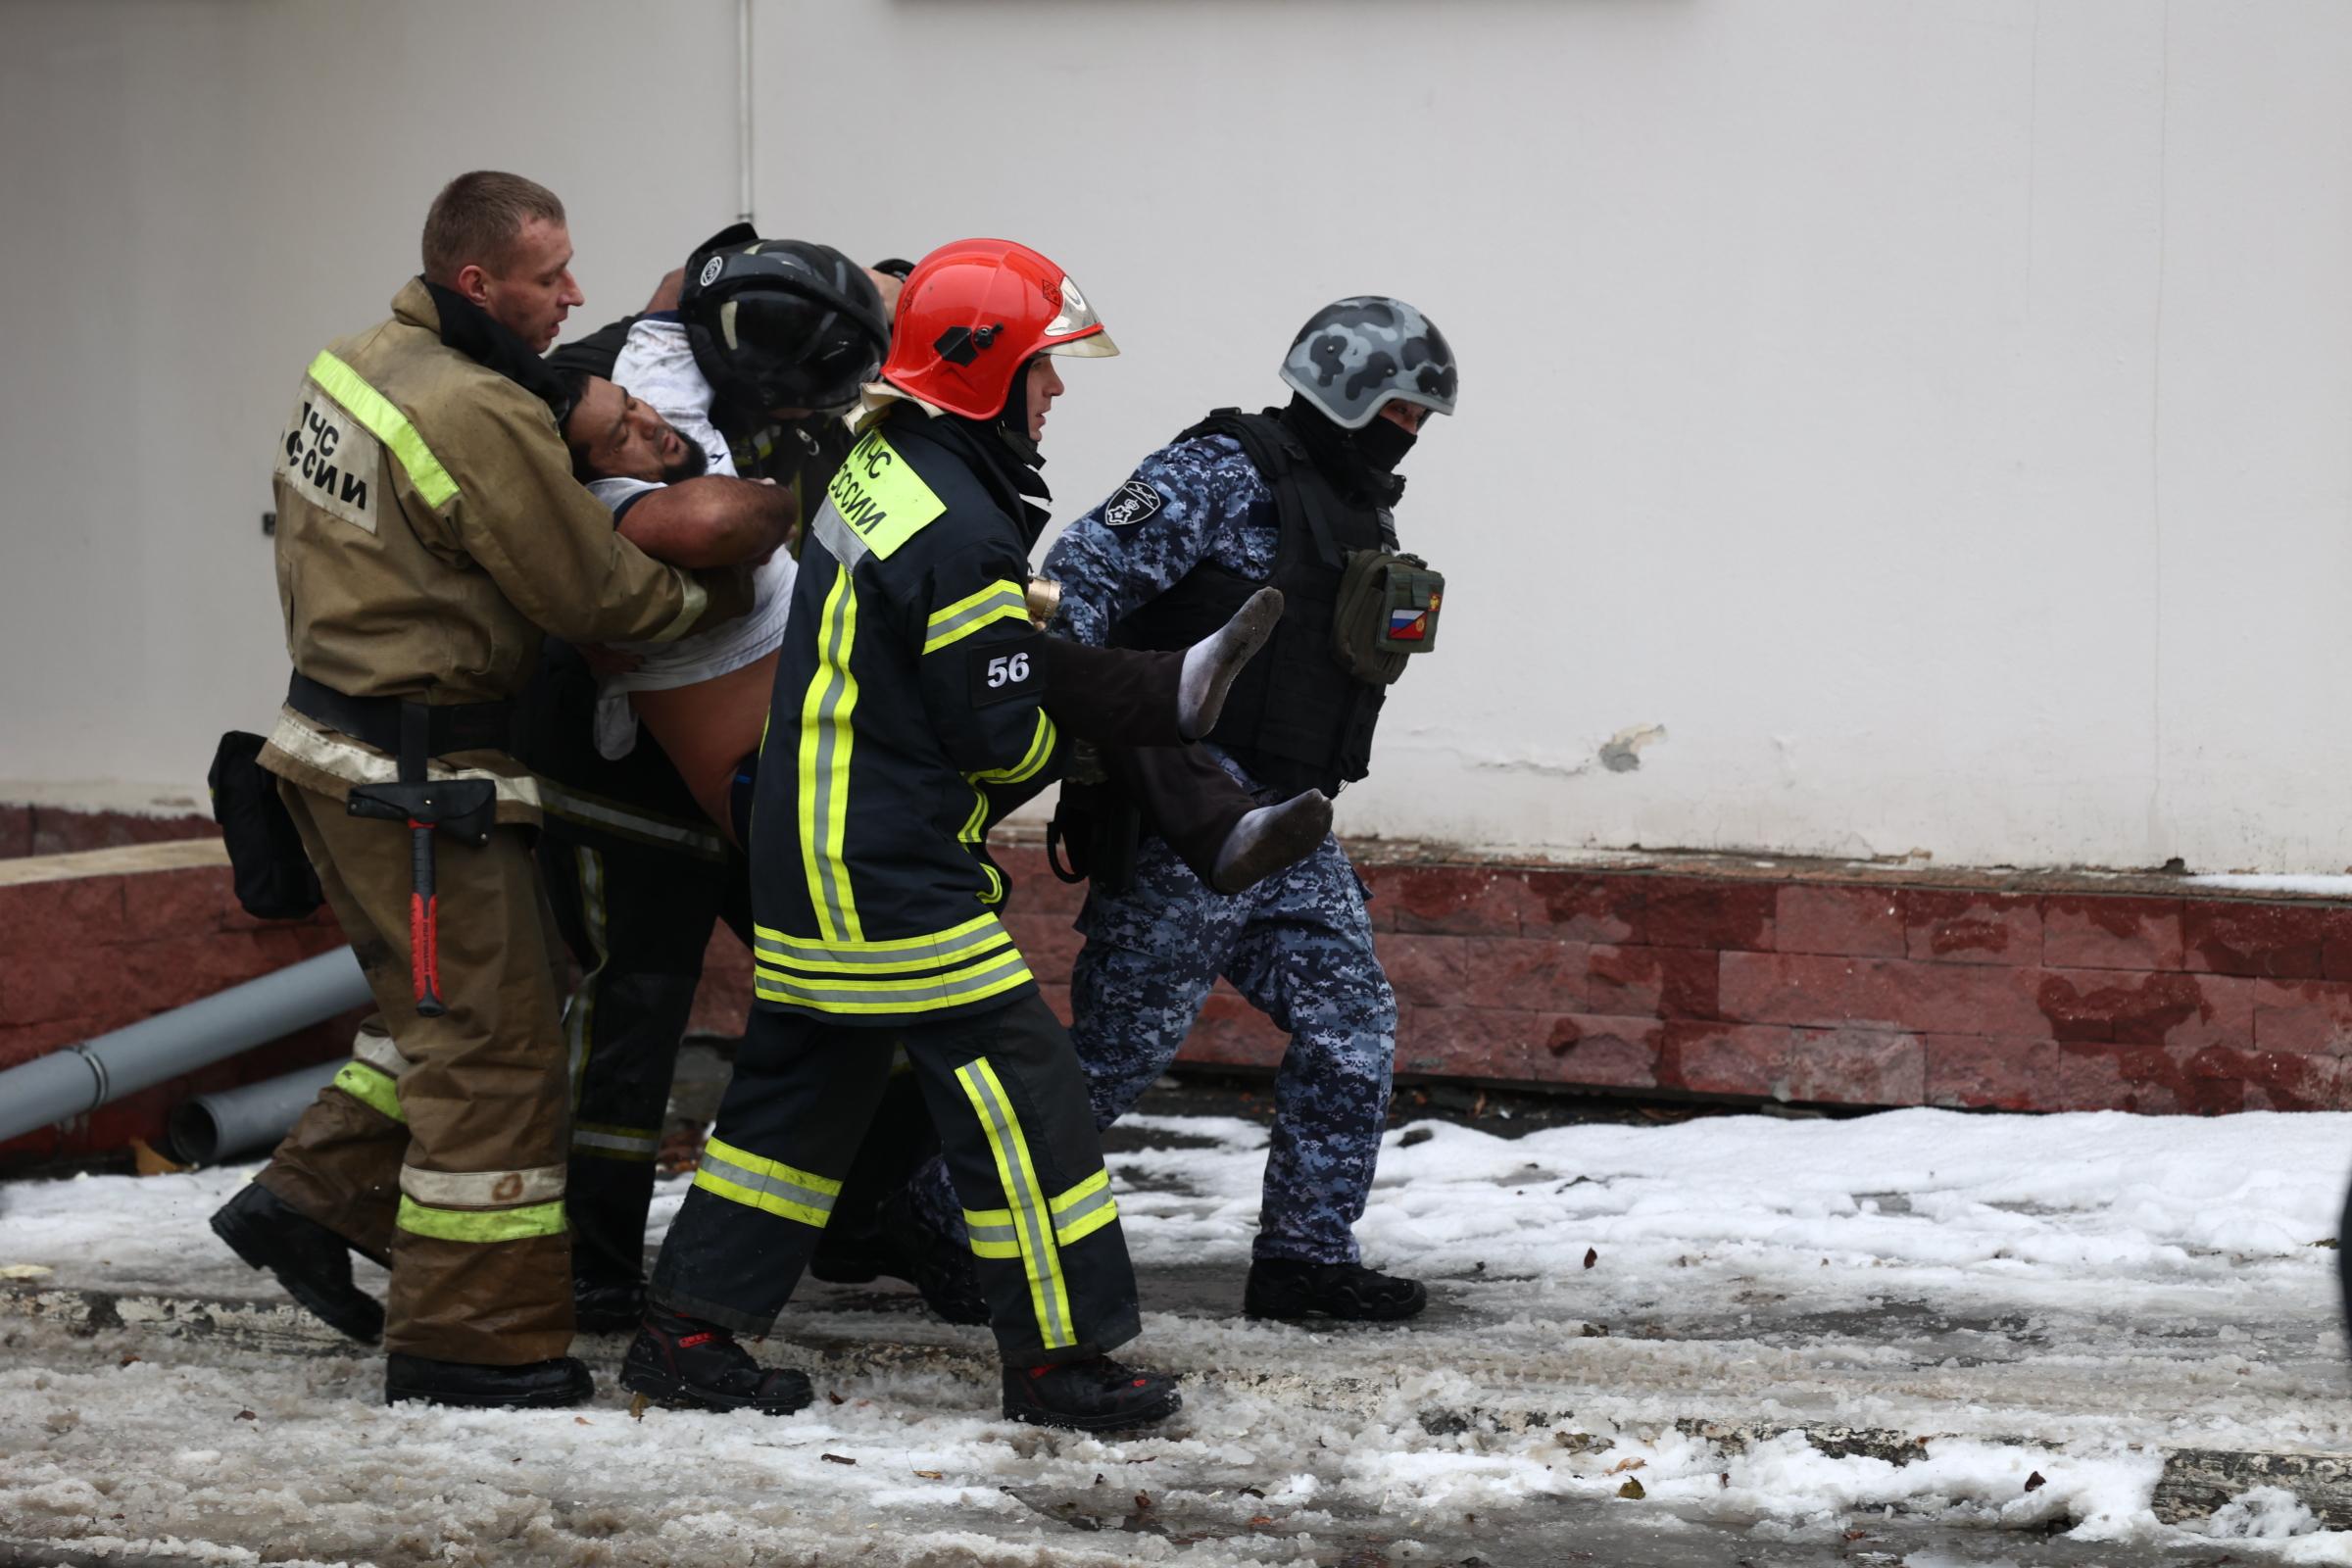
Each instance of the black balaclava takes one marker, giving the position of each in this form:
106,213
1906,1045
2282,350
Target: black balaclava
1342,455
1384,443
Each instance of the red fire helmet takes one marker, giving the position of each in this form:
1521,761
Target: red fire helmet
973,313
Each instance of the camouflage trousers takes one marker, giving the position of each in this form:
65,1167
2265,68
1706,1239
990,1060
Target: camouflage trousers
1298,947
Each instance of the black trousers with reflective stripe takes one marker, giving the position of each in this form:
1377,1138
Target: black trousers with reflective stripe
1009,1098
637,916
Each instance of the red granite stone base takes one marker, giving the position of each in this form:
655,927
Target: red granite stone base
1715,977
1804,983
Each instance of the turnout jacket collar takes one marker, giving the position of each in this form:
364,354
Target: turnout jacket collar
478,335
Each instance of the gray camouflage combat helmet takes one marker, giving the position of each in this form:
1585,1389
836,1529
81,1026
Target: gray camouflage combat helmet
1356,354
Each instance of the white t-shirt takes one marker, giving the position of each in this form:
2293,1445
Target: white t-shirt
657,365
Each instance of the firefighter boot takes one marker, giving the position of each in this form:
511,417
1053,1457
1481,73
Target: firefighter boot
1271,839
607,1306
1211,664
532,1385
937,1267
686,1364
311,1261
1097,1395
1287,1288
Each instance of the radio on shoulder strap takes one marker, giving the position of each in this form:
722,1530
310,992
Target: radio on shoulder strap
1387,612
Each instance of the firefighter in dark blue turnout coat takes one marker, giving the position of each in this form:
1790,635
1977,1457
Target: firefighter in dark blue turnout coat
1299,497
907,716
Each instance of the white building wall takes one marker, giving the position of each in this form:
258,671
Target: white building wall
1898,427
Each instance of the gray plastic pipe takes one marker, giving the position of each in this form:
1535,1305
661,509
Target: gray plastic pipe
83,1077
214,1127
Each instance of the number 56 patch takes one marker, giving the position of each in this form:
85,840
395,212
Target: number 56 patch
1002,671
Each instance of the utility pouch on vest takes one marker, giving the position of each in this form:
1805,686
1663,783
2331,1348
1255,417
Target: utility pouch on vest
1387,612
266,859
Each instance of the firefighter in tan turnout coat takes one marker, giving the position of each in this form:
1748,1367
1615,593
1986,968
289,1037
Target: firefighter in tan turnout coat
429,531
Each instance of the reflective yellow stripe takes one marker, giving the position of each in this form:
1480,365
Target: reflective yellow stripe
992,976
900,954
579,1012
1085,1189
1002,599
371,1089
1041,751
387,424
989,1233
824,766
756,1182
975,828
481,1225
1084,1210
1033,1226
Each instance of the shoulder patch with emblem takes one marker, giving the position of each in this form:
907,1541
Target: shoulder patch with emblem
875,503
1135,502
331,460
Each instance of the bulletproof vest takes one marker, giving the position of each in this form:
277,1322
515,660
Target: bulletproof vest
1296,717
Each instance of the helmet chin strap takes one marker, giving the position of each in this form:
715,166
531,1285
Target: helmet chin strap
1013,420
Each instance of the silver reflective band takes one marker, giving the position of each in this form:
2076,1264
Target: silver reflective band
552,796
619,1142
759,1181
834,532
488,1189
355,763
375,1048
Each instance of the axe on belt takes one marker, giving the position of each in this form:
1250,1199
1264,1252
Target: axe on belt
464,808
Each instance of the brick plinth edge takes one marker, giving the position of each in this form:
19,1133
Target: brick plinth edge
1799,983
1705,976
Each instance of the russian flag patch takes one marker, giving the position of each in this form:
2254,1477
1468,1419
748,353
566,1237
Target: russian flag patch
1408,625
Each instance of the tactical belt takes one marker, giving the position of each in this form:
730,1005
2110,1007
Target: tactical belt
377,720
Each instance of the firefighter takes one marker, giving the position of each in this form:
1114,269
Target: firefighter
428,530
908,713
1303,497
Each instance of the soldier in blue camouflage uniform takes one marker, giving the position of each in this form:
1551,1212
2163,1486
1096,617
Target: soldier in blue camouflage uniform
1288,497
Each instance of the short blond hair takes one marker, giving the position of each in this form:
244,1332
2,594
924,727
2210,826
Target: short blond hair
476,220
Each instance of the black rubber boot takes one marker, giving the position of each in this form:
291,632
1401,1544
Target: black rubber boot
309,1261
1098,1394
1284,1288
532,1385
613,1308
1272,838
687,1365
937,1267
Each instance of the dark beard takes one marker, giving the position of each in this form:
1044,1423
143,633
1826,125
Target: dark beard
693,466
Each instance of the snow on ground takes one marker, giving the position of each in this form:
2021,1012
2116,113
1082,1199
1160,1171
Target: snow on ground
2068,1297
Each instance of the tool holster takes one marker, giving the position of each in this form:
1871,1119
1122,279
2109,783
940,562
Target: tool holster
415,733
